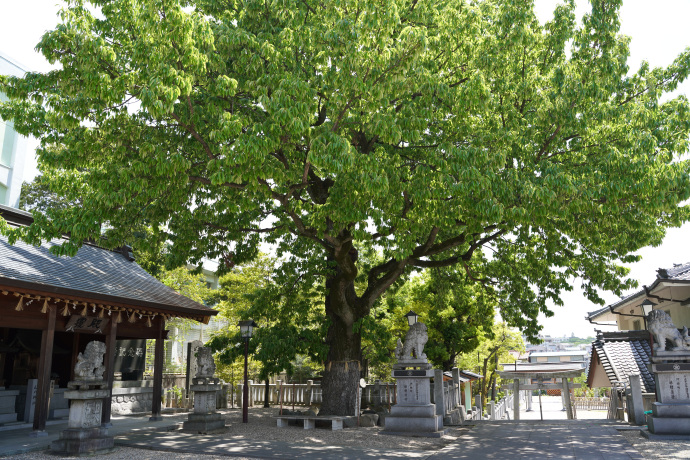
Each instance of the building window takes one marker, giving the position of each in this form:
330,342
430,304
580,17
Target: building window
554,359
637,325
3,194
7,136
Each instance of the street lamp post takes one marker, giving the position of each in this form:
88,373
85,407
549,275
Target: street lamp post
246,329
411,317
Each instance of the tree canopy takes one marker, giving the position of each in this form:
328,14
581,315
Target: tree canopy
429,130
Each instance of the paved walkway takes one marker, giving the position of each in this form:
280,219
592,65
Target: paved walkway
210,445
552,409
17,441
567,439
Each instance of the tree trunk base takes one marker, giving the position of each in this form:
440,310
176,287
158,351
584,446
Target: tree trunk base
340,388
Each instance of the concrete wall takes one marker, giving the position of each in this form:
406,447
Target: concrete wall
14,148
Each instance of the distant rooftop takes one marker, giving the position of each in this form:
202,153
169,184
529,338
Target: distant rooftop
558,353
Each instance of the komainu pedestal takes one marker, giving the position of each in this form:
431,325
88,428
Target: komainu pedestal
84,434
670,418
205,419
414,414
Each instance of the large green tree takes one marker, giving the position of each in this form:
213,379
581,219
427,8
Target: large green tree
431,130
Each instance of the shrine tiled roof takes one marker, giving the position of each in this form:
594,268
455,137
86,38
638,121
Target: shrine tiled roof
94,273
625,353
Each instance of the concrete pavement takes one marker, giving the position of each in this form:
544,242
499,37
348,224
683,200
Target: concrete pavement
562,439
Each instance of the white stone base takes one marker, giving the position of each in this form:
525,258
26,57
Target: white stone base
414,421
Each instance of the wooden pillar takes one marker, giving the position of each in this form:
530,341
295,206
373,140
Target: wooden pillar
45,364
109,372
516,399
158,372
566,395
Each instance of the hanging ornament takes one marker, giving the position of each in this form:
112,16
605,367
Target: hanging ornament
65,311
148,321
20,304
132,317
101,313
83,312
45,305
119,317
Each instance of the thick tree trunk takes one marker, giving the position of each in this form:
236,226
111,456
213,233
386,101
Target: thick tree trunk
343,363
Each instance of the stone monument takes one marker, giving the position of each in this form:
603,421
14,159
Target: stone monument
84,434
670,418
205,419
414,414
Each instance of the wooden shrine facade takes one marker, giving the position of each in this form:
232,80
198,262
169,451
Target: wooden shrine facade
51,307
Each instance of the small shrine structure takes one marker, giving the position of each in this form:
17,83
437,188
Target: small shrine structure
52,307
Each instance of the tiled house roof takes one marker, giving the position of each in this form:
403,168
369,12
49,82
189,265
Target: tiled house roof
623,354
470,375
94,273
679,273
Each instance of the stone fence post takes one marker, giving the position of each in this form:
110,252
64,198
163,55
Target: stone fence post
456,386
438,392
239,388
307,396
492,410
638,405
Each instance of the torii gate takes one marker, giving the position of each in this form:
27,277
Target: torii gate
540,376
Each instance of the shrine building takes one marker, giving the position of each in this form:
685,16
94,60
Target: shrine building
51,307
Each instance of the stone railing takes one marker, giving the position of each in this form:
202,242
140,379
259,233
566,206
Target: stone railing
500,410
307,394
591,403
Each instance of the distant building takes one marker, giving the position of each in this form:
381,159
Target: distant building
559,357
178,338
14,148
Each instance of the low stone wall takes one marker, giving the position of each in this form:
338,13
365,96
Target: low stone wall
131,397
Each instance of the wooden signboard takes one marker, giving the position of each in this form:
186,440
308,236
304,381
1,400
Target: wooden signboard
86,324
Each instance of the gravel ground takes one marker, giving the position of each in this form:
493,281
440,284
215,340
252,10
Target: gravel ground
657,449
262,427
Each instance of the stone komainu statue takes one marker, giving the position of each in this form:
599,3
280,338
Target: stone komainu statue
90,363
206,367
659,323
415,339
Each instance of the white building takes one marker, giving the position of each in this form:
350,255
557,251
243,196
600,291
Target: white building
14,148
